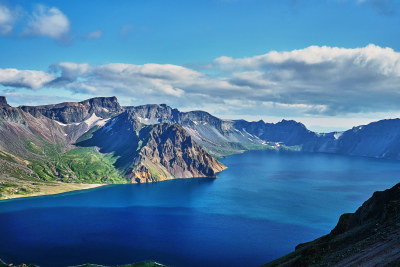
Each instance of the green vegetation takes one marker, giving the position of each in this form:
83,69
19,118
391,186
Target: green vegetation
11,188
85,164
6,156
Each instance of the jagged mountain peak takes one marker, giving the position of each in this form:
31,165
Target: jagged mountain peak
3,102
148,153
73,112
154,113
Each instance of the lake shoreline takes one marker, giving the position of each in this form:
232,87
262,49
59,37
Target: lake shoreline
55,188
47,189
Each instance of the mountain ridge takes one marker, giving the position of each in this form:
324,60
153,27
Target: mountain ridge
44,144
51,142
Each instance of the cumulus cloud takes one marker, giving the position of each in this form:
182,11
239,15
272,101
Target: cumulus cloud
137,80
340,80
7,20
93,35
43,21
315,80
24,78
48,21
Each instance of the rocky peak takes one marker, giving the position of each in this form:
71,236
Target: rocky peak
72,112
3,102
154,113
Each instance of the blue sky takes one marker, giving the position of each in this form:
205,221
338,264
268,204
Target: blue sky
331,64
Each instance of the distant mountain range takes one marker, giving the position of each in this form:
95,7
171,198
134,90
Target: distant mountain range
99,141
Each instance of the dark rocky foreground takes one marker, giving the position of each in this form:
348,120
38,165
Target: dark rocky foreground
140,264
368,237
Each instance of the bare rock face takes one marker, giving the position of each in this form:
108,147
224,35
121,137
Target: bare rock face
3,102
149,153
141,175
153,114
171,152
73,112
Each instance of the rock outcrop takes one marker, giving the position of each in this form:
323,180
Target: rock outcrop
3,102
368,237
149,153
171,152
74,112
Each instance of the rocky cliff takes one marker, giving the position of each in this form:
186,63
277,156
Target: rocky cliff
170,152
223,137
217,136
38,141
94,141
368,237
148,153
3,102
74,112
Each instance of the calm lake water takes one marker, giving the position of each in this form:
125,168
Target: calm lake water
258,209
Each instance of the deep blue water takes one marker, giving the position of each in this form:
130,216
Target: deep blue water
258,209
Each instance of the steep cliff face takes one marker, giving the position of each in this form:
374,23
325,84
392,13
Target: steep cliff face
223,137
368,237
148,153
74,112
171,152
153,114
219,137
3,102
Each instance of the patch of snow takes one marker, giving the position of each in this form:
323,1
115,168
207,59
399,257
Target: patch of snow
92,120
60,123
337,135
101,123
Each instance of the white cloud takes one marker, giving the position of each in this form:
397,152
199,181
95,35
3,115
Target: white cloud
339,79
93,35
306,82
7,19
48,21
24,78
386,59
128,79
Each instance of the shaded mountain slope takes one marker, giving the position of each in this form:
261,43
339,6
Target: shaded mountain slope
220,137
148,153
121,144
38,144
368,237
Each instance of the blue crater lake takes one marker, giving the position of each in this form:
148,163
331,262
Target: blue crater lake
258,209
